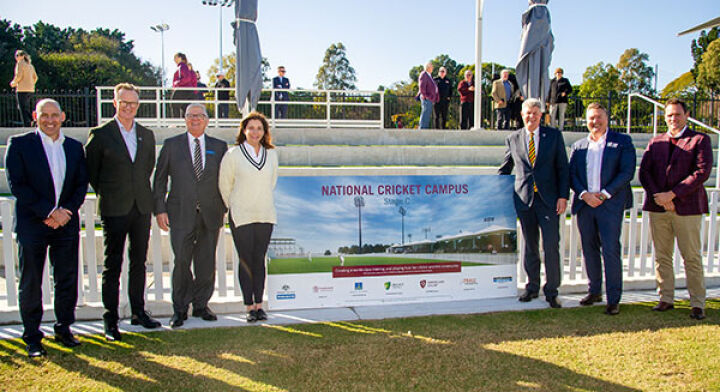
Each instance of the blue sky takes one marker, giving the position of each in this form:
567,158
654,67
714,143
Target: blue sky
385,38
320,222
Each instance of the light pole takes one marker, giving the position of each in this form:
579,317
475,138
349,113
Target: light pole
402,212
359,203
162,28
221,3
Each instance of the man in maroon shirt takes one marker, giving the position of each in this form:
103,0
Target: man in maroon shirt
673,169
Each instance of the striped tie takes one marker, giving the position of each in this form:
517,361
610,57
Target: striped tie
197,159
531,155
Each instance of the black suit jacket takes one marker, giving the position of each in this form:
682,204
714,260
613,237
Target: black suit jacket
118,181
28,174
550,173
186,191
281,83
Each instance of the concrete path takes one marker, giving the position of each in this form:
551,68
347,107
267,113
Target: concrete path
310,316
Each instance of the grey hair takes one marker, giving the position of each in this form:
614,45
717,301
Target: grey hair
468,72
531,103
504,70
46,101
196,105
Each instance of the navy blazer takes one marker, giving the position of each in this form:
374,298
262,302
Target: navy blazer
28,174
616,171
684,172
550,172
283,83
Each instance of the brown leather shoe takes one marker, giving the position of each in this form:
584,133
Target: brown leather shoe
591,299
697,313
663,306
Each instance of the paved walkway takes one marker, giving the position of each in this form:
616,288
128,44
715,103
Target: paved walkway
359,313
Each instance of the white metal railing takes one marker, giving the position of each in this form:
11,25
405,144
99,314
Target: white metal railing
637,252
660,106
325,99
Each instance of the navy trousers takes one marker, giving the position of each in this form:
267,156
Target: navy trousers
600,235
540,218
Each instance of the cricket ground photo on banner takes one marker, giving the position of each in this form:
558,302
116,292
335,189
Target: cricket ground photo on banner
371,240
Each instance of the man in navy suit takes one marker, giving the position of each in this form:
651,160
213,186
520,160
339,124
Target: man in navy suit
541,192
281,82
601,168
47,175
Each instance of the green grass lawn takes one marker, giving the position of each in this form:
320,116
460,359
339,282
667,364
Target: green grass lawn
577,349
300,265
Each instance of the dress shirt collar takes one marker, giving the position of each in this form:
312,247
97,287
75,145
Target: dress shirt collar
257,157
602,139
679,135
191,139
47,140
122,128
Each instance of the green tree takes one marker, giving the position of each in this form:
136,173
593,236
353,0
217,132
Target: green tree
700,45
599,81
682,87
335,73
709,70
635,74
229,67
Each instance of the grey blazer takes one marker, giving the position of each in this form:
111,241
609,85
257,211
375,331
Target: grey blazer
186,191
550,173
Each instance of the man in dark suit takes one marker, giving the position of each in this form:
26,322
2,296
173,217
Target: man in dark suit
193,212
47,175
281,82
672,171
541,192
601,168
121,157
445,91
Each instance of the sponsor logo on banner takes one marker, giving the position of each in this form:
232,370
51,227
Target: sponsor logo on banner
323,289
358,290
393,288
468,284
423,283
285,294
431,286
358,286
502,281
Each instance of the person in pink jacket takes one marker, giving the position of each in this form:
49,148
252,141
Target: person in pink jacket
183,77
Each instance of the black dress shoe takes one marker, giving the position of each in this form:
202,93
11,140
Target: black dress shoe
261,315
112,333
145,320
178,319
612,310
697,313
251,316
663,306
35,350
205,313
591,299
67,339
553,302
527,296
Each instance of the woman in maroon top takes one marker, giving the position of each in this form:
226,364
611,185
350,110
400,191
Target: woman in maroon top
466,88
183,77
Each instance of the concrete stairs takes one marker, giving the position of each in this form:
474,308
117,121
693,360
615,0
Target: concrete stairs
367,150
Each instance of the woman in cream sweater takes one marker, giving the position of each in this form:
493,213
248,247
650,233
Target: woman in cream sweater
248,173
24,85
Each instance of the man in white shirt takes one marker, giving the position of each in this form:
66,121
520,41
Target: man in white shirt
46,214
601,168
192,211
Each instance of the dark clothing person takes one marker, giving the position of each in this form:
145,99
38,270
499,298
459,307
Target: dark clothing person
281,82
34,176
441,107
467,104
557,88
223,108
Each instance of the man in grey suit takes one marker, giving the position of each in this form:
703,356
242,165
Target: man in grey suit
541,191
193,211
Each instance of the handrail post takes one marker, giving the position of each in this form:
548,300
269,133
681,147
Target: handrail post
98,89
158,106
215,102
272,107
382,109
655,120
327,109
629,110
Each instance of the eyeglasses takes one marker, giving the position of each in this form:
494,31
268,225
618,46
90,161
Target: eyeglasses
128,104
195,116
281,70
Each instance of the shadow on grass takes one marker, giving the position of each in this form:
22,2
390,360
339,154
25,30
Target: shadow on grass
449,353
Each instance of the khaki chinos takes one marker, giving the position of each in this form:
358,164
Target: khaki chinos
666,227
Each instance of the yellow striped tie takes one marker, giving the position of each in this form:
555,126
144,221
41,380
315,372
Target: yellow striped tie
531,155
